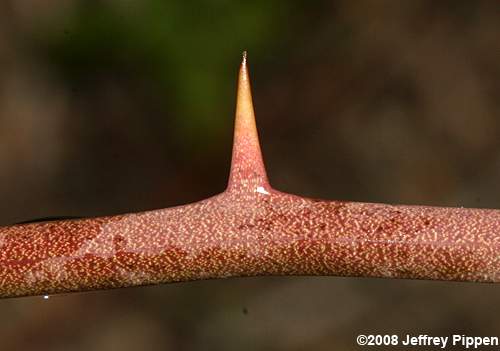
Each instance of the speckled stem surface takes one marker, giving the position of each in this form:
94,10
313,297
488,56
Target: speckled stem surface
250,229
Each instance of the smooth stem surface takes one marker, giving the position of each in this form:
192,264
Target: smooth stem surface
250,229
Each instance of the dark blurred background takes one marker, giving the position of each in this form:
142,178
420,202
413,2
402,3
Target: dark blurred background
118,106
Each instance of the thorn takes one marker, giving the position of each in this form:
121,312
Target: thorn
247,166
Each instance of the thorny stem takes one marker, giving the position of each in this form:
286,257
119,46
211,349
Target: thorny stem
250,229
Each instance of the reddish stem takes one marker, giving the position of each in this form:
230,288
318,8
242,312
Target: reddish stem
250,229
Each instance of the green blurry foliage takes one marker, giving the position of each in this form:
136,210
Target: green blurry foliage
189,51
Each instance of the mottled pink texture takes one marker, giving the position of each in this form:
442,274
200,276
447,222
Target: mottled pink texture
250,229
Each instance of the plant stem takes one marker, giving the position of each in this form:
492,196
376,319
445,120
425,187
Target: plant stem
250,229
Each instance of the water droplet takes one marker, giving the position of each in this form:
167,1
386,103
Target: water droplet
262,190
46,297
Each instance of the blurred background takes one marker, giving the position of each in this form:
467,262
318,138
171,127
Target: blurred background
118,106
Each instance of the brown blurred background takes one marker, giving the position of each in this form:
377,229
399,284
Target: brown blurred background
116,106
